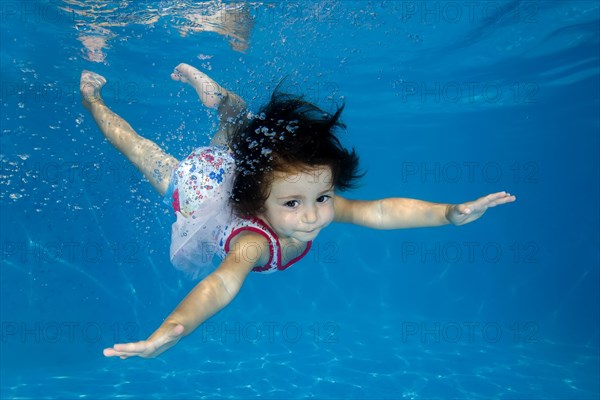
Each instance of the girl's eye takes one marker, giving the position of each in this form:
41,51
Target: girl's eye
323,199
292,203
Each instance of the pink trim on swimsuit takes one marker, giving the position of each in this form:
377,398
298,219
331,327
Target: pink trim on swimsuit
176,206
273,239
256,230
289,264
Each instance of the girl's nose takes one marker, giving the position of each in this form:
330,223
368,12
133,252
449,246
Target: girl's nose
310,215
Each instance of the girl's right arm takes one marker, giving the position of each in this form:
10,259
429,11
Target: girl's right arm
207,298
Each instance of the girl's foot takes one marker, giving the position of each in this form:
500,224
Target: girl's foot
209,91
90,86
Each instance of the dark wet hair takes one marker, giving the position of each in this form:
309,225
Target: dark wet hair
288,134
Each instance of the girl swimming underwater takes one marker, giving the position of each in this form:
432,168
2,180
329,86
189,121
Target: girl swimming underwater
256,197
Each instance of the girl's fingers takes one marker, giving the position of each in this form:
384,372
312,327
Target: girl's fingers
464,209
127,349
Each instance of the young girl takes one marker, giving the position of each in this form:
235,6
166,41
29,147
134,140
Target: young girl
256,198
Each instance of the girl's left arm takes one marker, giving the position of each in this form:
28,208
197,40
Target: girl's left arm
396,213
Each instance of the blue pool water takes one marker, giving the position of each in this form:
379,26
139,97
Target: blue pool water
445,101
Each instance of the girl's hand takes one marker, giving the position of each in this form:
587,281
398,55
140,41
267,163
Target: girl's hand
164,338
461,214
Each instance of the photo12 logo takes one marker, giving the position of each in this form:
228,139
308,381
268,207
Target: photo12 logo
469,332
67,173
270,331
44,332
466,92
33,91
473,12
35,12
470,252
70,252
472,172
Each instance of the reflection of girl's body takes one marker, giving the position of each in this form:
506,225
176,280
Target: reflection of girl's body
231,20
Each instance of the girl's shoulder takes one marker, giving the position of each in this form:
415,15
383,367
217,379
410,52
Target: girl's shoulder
250,245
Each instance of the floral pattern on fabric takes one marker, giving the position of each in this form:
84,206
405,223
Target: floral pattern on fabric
199,174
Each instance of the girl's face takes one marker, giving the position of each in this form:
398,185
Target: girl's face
300,203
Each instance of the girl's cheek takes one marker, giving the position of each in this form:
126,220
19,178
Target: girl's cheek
288,218
329,213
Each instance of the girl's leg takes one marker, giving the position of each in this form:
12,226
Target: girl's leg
151,160
230,106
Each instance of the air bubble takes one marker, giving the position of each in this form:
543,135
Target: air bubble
291,128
